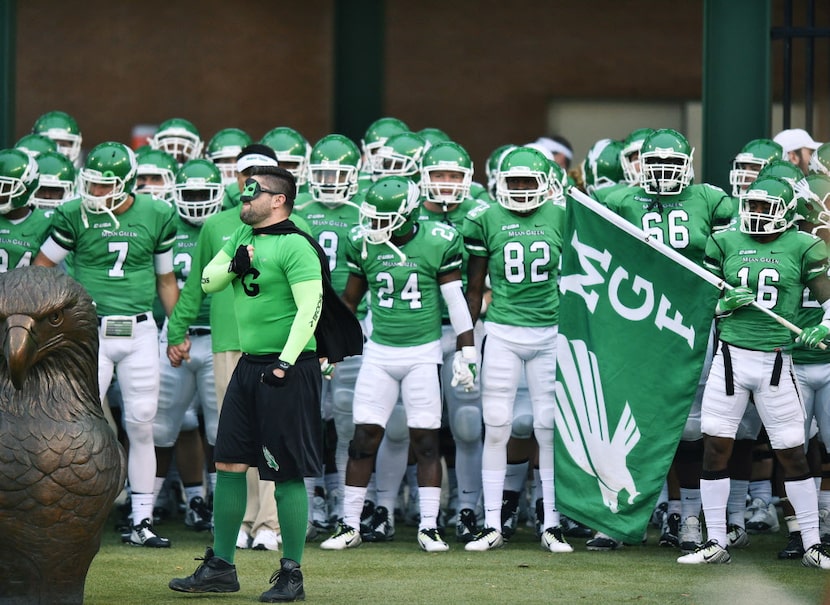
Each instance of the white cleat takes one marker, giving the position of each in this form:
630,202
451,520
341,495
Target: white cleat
816,556
487,539
711,552
554,541
431,541
343,537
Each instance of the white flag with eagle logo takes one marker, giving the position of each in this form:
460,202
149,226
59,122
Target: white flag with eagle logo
633,331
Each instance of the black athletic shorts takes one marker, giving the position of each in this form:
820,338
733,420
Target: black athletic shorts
276,429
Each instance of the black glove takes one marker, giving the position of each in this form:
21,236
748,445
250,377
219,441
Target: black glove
241,262
270,379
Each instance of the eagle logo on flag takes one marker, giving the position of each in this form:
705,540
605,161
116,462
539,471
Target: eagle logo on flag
582,424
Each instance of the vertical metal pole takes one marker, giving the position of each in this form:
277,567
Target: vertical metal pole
359,28
736,81
809,67
8,59
787,100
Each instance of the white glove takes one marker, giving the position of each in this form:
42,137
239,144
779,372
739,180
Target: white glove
326,368
464,369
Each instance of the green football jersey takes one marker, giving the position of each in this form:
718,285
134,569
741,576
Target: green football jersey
776,271
184,254
406,300
330,226
523,261
809,313
604,193
116,264
21,240
263,301
684,221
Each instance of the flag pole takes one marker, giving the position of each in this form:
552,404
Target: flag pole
668,251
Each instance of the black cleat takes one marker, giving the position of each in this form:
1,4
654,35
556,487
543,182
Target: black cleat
213,575
288,584
794,548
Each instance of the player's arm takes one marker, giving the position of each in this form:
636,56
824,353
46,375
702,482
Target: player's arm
166,284
462,324
51,254
812,336
476,277
355,290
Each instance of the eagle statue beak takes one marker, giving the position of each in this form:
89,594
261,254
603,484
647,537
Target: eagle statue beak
19,347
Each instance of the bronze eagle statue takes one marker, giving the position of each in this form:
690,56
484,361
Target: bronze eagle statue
61,466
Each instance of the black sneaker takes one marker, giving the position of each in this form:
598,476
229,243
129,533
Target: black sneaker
381,527
794,548
213,575
574,529
467,526
540,518
366,517
287,584
198,515
603,542
671,531
509,513
143,535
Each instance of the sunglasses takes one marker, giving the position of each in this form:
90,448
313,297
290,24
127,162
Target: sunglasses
253,190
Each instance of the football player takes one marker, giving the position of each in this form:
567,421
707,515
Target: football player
680,214
22,227
122,243
517,241
197,195
328,207
767,261
409,267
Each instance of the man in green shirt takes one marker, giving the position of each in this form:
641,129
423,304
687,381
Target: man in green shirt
271,413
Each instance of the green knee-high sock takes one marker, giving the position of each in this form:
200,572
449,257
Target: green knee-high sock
229,501
292,510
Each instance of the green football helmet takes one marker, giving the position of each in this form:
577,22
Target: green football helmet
389,209
199,190
223,148
820,160
400,155
156,172
446,157
750,160
767,206
107,178
179,138
630,154
433,136
813,198
35,144
602,166
63,129
376,135
18,179
666,162
333,168
57,180
491,168
526,180
292,151
782,169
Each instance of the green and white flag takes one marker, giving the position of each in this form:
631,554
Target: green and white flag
634,326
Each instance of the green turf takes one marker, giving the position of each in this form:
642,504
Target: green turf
521,572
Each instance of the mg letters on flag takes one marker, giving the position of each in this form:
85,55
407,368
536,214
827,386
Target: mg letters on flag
634,327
